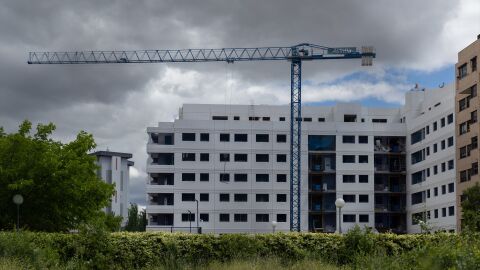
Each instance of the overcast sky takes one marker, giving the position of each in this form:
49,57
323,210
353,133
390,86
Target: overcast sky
415,41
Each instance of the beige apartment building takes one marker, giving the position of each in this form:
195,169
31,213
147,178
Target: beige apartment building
467,126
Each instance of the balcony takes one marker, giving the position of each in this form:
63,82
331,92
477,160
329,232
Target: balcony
322,163
388,188
161,179
389,145
322,183
160,199
390,203
162,159
390,164
389,183
160,219
390,222
322,202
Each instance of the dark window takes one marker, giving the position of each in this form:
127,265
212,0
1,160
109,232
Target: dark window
241,157
188,197
473,64
261,217
261,137
204,177
224,157
435,213
348,139
427,129
162,179
240,197
418,177
261,177
418,156
321,142
444,212
442,144
224,137
204,217
443,167
362,139
204,137
435,169
281,138
240,177
281,178
435,191
350,118
188,177
163,159
418,197
224,177
348,178
281,119
261,197
435,148
462,71
363,159
307,119
348,159
442,122
450,141
281,217
236,118
224,217
379,120
363,198
281,197
281,158
363,218
451,188
204,156
349,198
224,197
188,137
215,117
186,217
348,218
204,197
444,189
240,217
266,118
261,157
450,118
363,178
435,126
417,136
321,119
188,156
451,210
241,137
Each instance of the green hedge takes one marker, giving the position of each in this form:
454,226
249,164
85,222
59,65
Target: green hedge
96,249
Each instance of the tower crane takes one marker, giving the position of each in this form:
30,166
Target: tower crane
294,54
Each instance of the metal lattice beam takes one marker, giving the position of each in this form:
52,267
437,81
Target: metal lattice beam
295,143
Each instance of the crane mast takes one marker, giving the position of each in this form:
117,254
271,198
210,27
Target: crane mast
295,54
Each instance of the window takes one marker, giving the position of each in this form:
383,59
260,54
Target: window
161,179
435,191
265,118
321,142
464,103
363,159
188,177
204,197
236,118
363,198
362,139
188,197
348,139
240,177
281,158
473,63
241,137
348,178
187,217
240,157
224,157
382,120
261,137
450,141
350,118
281,138
418,156
261,157
464,128
204,177
348,159
418,197
204,137
321,119
188,156
444,212
363,178
418,177
450,118
428,150
261,217
224,177
442,122
224,197
281,217
442,144
435,213
204,156
428,193
188,137
281,119
240,197
215,117
261,197
435,169
240,217
451,187
307,119
444,189
261,177
417,136
224,137
435,126
462,71
443,166
435,148
204,217
281,178
224,217
281,197
473,117
363,218
451,210
349,198
348,218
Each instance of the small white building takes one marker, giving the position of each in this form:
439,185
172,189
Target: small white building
114,169
233,162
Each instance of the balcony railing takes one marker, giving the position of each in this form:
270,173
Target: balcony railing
389,188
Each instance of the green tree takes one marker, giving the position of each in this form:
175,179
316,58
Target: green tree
471,208
57,180
136,222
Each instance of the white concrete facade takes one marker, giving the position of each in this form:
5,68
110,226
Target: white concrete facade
114,169
364,162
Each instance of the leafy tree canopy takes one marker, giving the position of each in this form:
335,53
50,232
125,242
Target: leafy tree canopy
136,222
57,180
471,208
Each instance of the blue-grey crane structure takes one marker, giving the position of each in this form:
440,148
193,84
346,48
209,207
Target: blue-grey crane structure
295,54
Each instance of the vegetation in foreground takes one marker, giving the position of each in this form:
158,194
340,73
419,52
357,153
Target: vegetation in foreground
359,249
